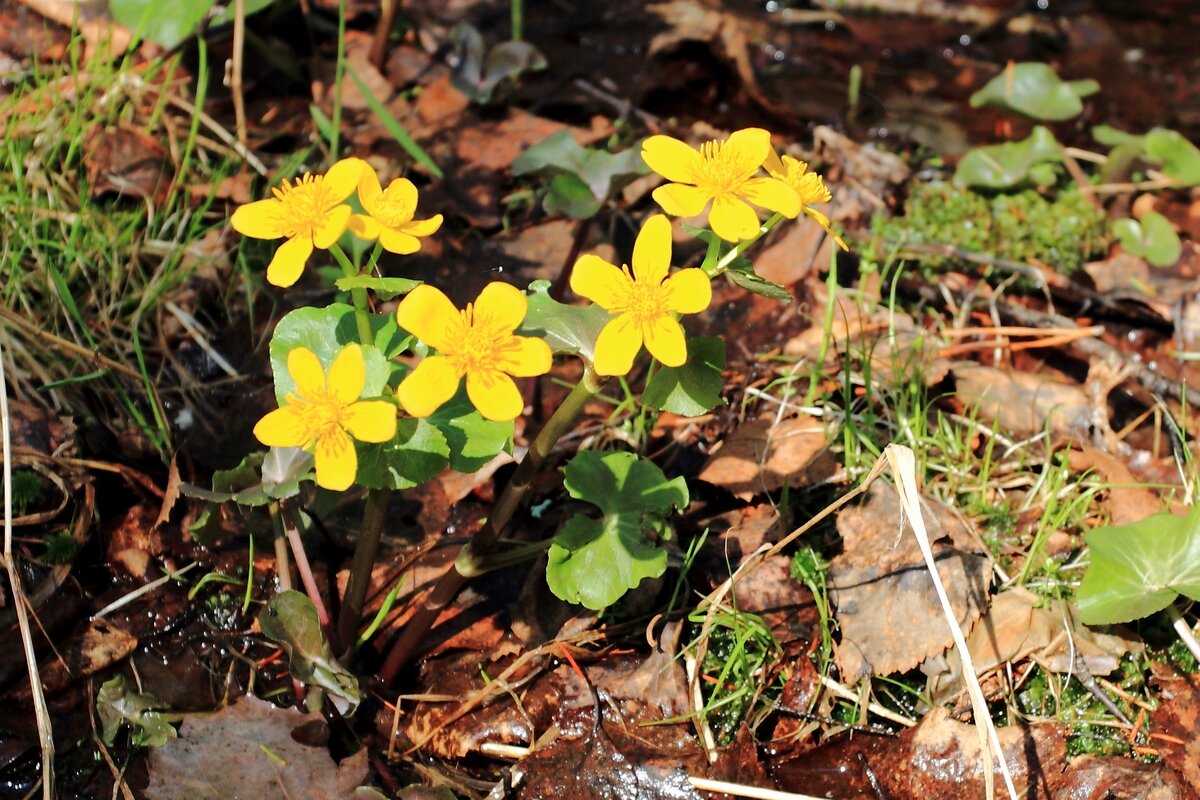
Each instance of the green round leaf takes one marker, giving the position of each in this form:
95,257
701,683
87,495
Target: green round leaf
1154,238
1003,166
1033,89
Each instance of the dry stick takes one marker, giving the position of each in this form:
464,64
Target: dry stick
235,77
41,712
469,562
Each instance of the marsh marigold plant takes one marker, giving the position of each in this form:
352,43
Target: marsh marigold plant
645,300
325,414
723,173
311,213
476,343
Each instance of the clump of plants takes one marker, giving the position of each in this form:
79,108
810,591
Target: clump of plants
1063,232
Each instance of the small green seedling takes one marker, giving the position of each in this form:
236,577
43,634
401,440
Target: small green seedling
117,705
579,179
1153,238
1035,90
594,562
171,24
478,72
1178,158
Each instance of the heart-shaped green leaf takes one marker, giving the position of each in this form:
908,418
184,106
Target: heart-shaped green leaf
595,562
694,388
1153,238
1139,569
567,329
1035,90
1003,166
1180,159
325,331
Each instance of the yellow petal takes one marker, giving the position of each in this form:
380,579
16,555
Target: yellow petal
495,395
681,201
428,314
427,387
343,177
260,220
671,158
617,346
524,356
401,191
500,306
689,291
363,226
772,194
748,148
824,222
288,262
422,227
601,282
283,427
652,251
369,189
664,340
398,242
774,164
347,375
306,371
732,219
372,421
332,227
336,461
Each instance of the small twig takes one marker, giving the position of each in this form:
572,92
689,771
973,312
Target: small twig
40,710
876,709
235,77
128,598
196,331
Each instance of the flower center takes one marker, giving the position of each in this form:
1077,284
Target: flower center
478,343
720,171
390,212
322,417
306,203
645,301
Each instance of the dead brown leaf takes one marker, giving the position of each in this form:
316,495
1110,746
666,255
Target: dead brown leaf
783,602
1015,629
126,161
760,457
495,145
1179,718
1024,404
249,749
1127,499
887,609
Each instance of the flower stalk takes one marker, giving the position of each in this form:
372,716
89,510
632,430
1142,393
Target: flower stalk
470,559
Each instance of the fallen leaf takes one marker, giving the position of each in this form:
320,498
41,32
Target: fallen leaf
1178,717
887,608
1024,404
127,162
761,456
1015,629
1126,499
784,603
248,750
495,145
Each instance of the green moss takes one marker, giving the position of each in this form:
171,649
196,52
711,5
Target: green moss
1063,233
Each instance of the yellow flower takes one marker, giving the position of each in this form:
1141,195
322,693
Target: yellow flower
809,188
389,216
324,412
644,299
477,343
311,212
723,172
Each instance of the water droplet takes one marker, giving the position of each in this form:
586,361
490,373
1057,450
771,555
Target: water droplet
948,53
771,6
778,56
1043,4
830,24
965,39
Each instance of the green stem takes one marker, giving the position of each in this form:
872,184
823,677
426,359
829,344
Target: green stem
339,73
742,246
362,311
365,550
472,557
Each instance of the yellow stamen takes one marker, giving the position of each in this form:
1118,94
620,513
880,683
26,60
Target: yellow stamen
305,204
